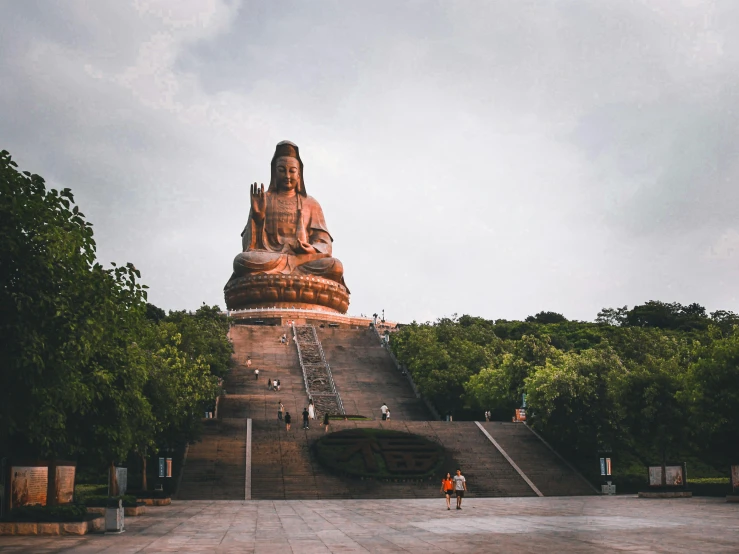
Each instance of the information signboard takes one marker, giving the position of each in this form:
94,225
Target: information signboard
28,485
674,476
64,484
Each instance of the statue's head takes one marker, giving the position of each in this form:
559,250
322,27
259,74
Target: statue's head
287,169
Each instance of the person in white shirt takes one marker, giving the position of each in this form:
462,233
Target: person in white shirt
460,487
311,410
384,411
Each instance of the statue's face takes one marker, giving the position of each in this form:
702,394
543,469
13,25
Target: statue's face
287,173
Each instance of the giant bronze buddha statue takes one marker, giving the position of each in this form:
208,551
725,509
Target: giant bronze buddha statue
286,260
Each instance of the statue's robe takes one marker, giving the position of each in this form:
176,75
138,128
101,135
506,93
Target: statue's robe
269,245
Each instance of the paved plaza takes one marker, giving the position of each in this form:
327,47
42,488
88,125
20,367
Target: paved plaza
512,525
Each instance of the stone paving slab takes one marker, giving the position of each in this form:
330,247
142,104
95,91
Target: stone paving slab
520,525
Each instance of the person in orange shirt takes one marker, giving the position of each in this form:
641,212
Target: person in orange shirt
447,487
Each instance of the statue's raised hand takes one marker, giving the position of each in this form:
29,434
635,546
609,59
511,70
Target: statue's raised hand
258,202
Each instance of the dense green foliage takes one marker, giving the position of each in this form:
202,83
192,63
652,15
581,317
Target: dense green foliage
659,381
87,368
49,514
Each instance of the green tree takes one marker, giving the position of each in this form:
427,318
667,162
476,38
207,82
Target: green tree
67,324
546,317
500,387
651,407
612,316
569,398
712,390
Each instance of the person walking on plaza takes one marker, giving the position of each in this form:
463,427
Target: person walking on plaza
274,384
248,362
487,415
305,418
447,487
278,384
288,420
280,409
325,421
460,487
256,374
311,410
384,410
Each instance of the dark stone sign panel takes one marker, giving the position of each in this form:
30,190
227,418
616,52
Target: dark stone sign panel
65,484
379,453
28,485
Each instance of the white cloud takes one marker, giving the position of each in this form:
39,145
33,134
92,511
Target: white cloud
486,158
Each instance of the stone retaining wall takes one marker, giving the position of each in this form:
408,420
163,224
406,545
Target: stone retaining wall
95,525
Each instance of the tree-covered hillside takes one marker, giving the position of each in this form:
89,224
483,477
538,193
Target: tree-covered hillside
657,381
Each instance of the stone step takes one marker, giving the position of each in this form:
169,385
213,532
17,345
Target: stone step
284,465
365,376
545,469
215,466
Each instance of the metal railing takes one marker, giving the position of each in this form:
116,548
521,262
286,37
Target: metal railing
300,358
326,367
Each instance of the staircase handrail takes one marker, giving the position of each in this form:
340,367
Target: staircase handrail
334,391
300,358
328,369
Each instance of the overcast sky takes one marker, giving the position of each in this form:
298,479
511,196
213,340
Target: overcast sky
496,158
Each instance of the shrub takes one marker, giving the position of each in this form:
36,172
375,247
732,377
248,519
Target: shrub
709,481
38,513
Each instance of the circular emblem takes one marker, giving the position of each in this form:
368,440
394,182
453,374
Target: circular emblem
380,453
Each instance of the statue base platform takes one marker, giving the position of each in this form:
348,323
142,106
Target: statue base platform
286,316
306,292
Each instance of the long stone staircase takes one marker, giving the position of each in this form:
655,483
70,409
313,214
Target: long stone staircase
215,466
366,376
283,465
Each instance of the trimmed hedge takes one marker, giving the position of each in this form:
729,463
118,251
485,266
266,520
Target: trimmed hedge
49,514
709,481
